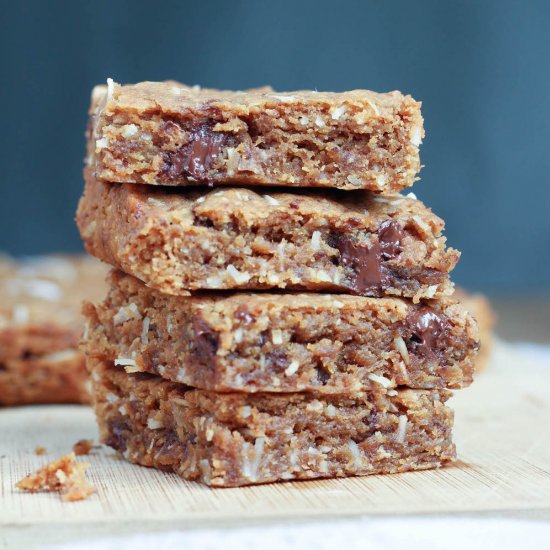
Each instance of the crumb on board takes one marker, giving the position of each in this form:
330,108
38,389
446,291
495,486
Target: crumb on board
64,475
83,447
39,450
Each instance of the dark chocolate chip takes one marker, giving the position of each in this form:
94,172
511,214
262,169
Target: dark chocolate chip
205,343
426,332
278,359
169,449
195,158
118,434
367,263
323,375
203,222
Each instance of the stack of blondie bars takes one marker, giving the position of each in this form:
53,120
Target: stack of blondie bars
276,310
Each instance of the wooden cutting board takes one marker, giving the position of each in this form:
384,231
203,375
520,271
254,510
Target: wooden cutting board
502,435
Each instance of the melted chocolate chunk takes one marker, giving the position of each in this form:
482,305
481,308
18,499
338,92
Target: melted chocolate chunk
364,262
195,158
367,263
390,235
205,343
426,332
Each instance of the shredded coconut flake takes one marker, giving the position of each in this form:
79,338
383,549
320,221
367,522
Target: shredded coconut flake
154,424
355,453
271,200
239,277
430,291
284,98
412,196
381,179
111,397
354,180
125,313
110,88
169,326
130,130
416,136
292,368
373,107
322,276
125,361
156,202
401,429
382,380
101,144
145,331
238,335
402,348
245,411
316,240
338,112
258,452
276,336
422,224
319,122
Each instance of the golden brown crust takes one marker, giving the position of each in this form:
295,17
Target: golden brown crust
169,133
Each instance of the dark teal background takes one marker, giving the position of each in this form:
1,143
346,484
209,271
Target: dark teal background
481,68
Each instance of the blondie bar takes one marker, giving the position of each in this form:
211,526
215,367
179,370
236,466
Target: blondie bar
171,134
352,242
282,342
234,439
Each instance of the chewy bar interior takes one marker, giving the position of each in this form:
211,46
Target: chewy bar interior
40,327
354,242
236,439
171,134
277,309
254,342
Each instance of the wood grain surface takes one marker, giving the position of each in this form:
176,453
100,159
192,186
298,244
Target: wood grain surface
502,434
